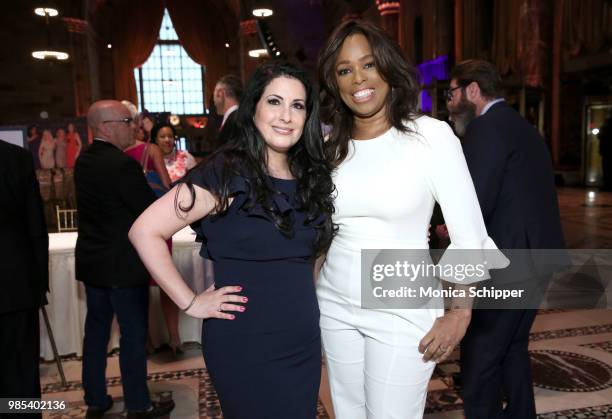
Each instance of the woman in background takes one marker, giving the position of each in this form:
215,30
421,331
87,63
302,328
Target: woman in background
73,146
162,135
46,151
178,162
147,123
150,158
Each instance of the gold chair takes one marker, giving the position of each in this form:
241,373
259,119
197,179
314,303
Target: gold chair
67,219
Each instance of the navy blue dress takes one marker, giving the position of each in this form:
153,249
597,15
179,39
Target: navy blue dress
267,362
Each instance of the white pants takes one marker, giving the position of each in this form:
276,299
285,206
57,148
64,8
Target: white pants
374,366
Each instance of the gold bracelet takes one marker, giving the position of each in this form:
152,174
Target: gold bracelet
191,303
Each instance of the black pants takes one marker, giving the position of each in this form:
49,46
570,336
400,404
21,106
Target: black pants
132,307
495,362
20,343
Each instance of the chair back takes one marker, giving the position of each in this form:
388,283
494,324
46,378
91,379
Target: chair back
67,219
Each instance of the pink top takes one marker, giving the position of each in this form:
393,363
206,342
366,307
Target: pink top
178,163
138,153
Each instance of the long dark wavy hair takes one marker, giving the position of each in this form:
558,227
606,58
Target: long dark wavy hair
244,153
403,80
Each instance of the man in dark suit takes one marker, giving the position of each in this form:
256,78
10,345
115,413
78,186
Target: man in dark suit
111,193
227,95
513,176
226,98
24,273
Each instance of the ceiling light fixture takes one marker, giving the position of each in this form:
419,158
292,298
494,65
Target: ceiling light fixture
50,55
48,51
262,12
257,53
46,11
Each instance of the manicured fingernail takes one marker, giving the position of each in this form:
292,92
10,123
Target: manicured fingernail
244,299
242,309
239,288
232,317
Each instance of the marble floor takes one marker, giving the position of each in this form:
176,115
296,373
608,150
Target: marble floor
571,351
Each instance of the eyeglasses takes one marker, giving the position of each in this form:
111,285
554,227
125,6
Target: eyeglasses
448,93
124,120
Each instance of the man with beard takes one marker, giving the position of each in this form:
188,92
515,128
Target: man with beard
513,176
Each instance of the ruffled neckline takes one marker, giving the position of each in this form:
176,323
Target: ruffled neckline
240,189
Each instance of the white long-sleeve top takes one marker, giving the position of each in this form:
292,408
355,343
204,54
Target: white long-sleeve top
387,187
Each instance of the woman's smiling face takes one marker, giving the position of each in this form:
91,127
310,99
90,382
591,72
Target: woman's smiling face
165,140
360,85
280,113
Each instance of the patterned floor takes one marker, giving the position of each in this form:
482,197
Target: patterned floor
560,366
571,352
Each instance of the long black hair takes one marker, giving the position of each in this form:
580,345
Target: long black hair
244,153
403,79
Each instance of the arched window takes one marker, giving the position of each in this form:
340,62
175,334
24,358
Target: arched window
170,81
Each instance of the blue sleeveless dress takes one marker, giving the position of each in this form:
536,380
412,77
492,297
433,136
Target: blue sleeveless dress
267,362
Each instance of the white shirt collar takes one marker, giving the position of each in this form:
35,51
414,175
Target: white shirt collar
491,103
227,113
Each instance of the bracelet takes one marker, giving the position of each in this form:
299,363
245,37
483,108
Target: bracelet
191,303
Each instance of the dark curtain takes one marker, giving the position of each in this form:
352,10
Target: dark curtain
586,26
135,30
203,26
519,39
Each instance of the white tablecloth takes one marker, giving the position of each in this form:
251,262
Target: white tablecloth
67,306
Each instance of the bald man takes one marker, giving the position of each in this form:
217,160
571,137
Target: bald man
111,193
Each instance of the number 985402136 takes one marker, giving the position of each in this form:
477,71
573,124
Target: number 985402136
30,405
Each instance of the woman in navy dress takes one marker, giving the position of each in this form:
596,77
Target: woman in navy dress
263,206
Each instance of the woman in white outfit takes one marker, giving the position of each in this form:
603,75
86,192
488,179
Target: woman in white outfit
390,167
